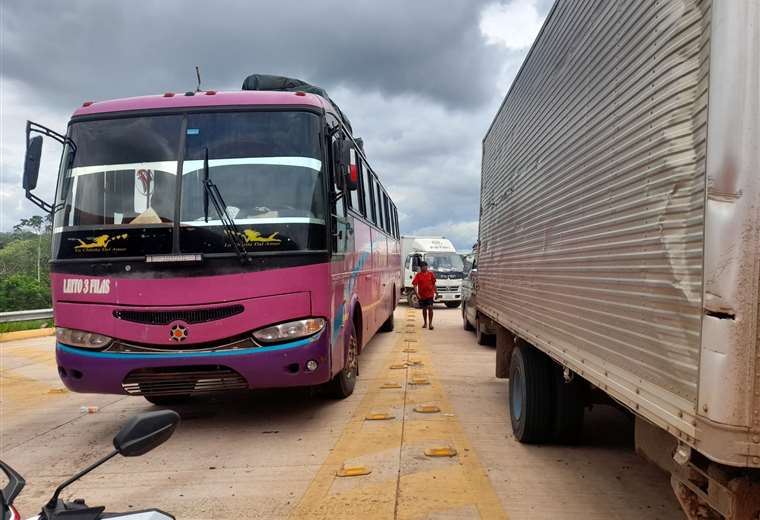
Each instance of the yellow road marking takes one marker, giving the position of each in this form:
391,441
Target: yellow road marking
441,452
379,417
401,485
355,471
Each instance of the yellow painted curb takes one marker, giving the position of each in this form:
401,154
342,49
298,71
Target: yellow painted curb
26,334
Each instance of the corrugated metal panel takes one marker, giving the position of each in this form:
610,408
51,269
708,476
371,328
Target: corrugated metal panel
593,187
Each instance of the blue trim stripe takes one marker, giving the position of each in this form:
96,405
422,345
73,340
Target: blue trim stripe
241,352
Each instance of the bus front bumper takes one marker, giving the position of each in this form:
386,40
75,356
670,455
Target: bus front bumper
283,365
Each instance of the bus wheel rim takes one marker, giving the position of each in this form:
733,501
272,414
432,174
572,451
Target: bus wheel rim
352,360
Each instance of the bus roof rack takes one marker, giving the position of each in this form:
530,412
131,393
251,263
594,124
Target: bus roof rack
283,83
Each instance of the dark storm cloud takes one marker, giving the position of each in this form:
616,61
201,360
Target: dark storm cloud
98,50
418,80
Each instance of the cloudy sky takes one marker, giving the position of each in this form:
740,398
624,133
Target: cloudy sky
420,81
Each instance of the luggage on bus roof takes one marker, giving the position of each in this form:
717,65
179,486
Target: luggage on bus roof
283,83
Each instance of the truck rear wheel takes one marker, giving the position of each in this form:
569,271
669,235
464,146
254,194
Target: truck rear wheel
531,395
481,337
569,408
465,322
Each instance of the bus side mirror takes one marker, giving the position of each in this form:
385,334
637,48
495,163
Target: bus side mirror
347,174
33,159
32,163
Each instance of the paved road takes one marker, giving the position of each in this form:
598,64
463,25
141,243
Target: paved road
276,454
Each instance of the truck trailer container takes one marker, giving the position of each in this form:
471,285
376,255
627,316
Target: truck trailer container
619,238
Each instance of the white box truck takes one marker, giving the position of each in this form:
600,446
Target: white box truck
619,252
442,259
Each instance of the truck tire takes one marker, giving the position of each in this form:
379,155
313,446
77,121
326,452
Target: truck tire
343,383
531,395
452,305
465,322
481,337
569,408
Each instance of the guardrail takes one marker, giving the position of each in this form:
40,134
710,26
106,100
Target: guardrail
36,314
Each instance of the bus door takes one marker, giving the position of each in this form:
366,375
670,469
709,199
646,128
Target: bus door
342,246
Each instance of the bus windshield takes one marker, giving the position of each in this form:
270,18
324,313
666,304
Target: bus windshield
125,174
266,166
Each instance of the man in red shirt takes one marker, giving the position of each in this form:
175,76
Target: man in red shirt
424,284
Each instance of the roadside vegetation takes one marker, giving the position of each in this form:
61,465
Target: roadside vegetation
14,326
24,271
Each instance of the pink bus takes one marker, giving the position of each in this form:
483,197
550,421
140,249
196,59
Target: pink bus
212,241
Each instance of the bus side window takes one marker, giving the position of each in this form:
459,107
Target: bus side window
367,182
338,198
387,221
395,222
353,201
379,219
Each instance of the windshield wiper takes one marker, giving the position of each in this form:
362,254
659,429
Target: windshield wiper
230,228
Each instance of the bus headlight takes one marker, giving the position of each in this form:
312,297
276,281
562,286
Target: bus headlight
81,338
290,330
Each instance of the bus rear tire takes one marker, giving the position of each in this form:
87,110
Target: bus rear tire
343,383
452,305
531,395
388,324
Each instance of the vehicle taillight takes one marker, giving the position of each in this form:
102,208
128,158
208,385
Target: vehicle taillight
354,173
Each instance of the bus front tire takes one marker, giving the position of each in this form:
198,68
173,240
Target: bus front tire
343,383
167,400
531,395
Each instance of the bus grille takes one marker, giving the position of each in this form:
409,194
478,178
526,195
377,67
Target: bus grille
165,381
185,315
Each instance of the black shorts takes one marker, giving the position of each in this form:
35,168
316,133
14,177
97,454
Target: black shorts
426,303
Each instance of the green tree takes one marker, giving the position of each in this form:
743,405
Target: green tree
24,265
40,227
19,291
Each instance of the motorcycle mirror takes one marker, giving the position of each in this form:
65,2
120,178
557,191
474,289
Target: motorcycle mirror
15,484
144,432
